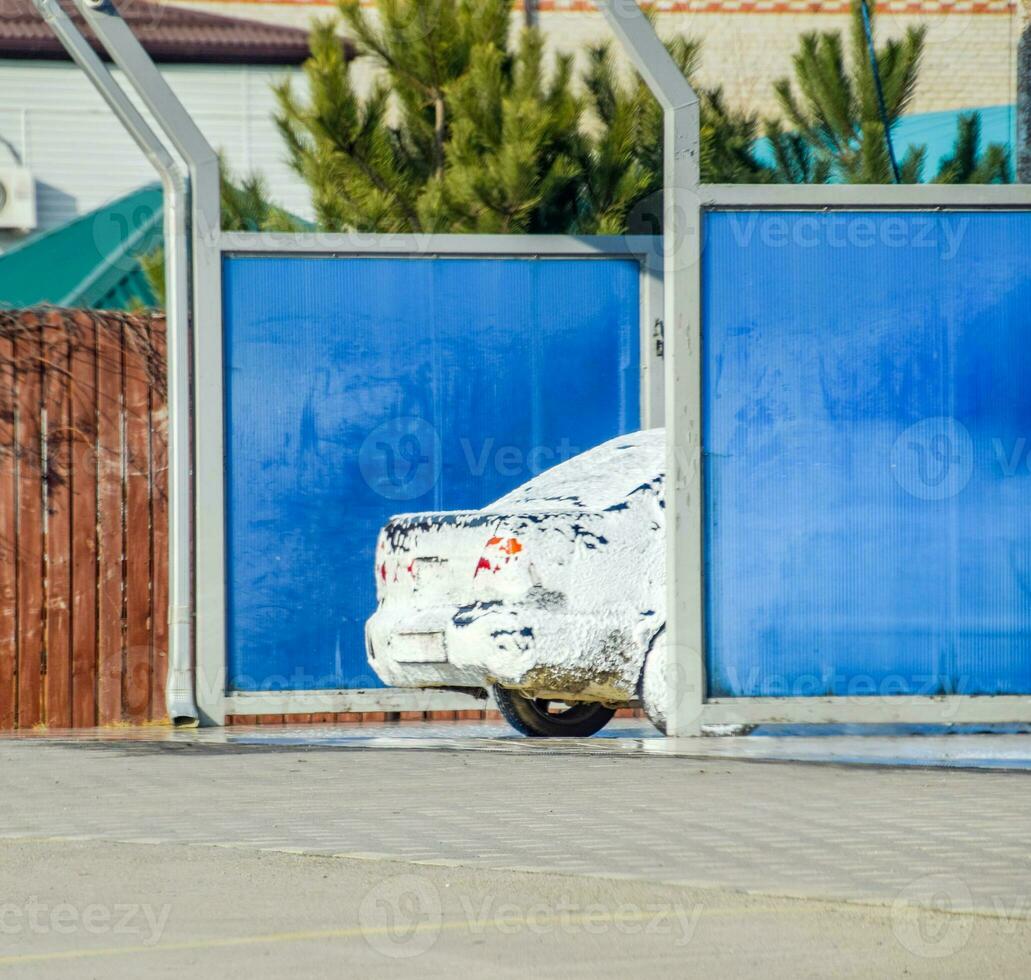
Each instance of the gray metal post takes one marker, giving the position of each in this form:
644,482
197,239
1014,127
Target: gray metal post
179,693
682,253
205,218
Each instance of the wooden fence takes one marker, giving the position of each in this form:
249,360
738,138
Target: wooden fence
83,520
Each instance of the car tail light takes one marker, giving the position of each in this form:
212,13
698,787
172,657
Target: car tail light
497,554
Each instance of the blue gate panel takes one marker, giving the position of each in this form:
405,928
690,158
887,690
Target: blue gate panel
359,388
867,430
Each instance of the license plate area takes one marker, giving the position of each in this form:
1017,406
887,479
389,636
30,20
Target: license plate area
421,647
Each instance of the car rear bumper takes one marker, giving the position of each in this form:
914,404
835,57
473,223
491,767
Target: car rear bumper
591,655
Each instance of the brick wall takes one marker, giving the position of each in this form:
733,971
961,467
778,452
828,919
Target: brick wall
970,59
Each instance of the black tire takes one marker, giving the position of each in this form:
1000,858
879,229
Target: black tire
532,717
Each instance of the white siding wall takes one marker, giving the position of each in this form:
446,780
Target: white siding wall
52,118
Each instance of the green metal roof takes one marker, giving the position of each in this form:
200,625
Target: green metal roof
91,262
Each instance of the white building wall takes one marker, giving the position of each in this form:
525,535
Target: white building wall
53,120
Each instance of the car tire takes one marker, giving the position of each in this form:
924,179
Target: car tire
532,717
652,688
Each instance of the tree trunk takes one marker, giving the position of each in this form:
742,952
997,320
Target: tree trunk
439,124
1024,106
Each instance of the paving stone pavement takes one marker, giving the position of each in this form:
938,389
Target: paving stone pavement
868,834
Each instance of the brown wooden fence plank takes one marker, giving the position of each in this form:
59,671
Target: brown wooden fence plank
110,536
84,526
57,584
8,542
159,507
30,530
136,686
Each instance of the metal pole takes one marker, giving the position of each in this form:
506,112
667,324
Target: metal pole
208,678
179,693
681,256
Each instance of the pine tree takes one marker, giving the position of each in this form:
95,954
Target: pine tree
380,162
967,164
468,130
246,206
795,161
617,164
510,157
836,111
833,124
621,162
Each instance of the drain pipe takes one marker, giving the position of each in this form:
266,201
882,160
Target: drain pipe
179,692
184,679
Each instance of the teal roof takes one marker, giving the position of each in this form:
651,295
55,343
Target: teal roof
91,262
937,132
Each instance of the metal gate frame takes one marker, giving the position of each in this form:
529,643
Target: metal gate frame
693,709
214,700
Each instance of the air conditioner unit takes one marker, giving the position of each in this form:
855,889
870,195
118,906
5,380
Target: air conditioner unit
17,199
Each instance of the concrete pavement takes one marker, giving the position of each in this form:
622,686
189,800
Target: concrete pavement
271,858
92,909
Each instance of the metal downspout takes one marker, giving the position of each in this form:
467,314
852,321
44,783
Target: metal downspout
179,691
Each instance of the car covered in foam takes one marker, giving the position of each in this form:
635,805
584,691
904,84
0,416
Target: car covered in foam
552,596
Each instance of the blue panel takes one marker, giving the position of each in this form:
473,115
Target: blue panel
867,439
362,388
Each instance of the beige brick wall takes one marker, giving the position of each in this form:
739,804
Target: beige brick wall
970,58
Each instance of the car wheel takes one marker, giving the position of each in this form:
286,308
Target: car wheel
652,689
540,718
